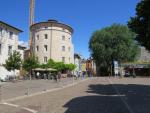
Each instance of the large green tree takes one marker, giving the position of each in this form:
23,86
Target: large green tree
13,62
140,24
112,43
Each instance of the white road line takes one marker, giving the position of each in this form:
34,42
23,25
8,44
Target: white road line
14,105
123,100
30,110
9,104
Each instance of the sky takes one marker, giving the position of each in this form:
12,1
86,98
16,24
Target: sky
84,16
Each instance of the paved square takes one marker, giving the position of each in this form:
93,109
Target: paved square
96,95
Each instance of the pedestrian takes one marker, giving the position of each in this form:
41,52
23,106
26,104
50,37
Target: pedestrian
38,74
59,76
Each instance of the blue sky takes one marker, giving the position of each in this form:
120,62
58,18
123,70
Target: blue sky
85,16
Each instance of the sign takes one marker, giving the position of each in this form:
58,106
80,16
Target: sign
116,67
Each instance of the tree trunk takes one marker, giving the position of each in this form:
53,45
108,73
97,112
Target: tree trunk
14,73
30,74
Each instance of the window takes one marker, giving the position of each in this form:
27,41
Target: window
46,36
37,48
63,29
1,29
9,50
63,48
69,59
63,38
37,58
63,59
69,49
45,46
37,37
10,34
45,59
69,39
0,49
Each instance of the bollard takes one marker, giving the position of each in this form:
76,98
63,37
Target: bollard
27,92
45,88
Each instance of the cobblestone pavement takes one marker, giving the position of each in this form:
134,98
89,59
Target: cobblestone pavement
11,90
96,95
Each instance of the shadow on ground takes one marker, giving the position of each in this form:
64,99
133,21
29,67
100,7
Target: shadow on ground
104,99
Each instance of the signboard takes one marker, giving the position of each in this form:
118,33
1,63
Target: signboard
116,67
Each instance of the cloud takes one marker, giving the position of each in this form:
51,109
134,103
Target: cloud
23,43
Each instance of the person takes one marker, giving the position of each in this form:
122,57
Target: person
38,74
45,76
59,76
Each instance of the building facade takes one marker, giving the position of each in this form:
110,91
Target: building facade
8,43
91,66
77,62
52,40
144,55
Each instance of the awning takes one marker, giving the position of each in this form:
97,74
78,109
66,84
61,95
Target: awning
41,69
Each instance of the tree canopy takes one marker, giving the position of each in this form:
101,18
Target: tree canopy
113,43
30,63
60,66
13,62
140,24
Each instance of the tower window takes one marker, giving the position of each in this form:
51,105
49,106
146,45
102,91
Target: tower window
0,49
45,59
37,37
69,59
63,48
63,29
69,49
37,48
46,36
63,59
63,38
45,46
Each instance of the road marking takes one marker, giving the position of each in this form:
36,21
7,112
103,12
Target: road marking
123,100
14,105
30,110
9,104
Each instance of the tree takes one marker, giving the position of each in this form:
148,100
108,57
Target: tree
70,67
44,66
30,63
13,62
51,63
140,24
112,43
60,66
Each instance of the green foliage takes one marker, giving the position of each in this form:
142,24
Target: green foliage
60,66
140,24
44,66
70,67
30,63
51,63
113,43
13,62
